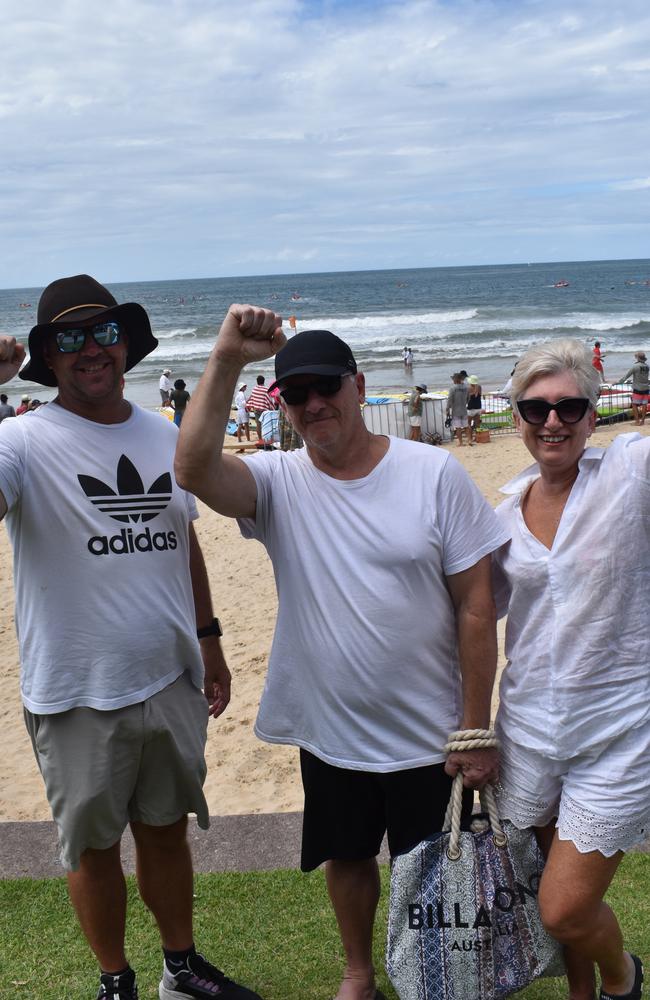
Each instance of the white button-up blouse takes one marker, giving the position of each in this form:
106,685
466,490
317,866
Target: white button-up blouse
577,635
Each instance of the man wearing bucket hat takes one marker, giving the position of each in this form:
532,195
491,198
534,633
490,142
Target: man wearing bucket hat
380,549
116,685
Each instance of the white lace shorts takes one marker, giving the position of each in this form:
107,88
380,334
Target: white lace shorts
600,798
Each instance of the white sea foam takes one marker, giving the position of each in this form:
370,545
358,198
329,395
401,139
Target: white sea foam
181,331
383,320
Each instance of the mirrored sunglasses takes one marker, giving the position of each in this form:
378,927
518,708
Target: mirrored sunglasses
324,385
570,410
104,334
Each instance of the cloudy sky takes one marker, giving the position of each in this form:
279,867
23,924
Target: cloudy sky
198,138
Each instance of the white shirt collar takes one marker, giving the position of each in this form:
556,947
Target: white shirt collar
522,480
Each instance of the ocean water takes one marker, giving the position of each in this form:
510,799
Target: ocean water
477,318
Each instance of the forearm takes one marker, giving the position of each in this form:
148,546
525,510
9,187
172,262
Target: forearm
200,443
471,593
477,655
216,682
200,583
248,334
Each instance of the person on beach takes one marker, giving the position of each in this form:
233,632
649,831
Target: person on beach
24,405
6,410
271,428
165,386
574,715
457,408
242,418
640,375
474,407
385,637
415,412
290,439
597,361
507,389
117,683
178,400
259,401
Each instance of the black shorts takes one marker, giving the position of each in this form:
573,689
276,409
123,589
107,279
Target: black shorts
348,812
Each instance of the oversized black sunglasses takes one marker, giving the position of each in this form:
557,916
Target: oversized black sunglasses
570,410
324,385
104,334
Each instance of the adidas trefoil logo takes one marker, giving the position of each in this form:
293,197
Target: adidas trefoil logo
131,502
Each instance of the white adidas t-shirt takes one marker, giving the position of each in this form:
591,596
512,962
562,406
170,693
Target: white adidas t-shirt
99,527
363,670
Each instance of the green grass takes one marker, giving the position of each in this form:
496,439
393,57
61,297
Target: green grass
273,931
499,420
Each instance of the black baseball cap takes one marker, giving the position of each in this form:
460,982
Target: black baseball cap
314,352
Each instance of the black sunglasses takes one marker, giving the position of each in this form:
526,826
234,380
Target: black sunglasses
324,385
570,410
104,334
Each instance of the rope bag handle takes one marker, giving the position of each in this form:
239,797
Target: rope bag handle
470,739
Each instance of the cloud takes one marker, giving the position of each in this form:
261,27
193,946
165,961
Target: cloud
190,137
637,184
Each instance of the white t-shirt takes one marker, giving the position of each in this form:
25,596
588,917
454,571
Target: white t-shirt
104,608
165,383
577,635
363,670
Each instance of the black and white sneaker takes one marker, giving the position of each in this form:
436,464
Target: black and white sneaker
196,979
122,987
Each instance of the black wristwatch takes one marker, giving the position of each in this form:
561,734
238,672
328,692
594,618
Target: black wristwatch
214,628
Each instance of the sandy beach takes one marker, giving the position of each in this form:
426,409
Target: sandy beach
244,774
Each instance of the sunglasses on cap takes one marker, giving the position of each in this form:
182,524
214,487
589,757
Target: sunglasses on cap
104,334
323,385
570,410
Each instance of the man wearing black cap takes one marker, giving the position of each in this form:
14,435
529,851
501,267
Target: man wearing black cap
381,553
110,588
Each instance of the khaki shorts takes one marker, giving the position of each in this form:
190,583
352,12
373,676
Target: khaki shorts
143,763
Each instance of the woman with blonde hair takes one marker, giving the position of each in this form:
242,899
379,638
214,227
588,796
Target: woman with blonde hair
574,715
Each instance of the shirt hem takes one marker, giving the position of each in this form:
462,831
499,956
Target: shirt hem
104,704
550,749
353,765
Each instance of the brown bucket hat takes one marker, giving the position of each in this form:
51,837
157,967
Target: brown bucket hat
81,301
